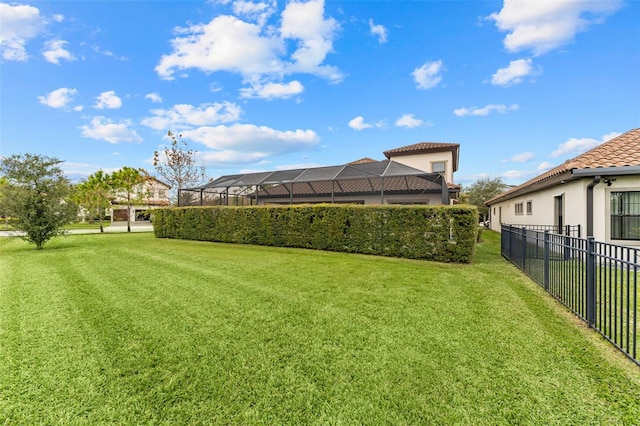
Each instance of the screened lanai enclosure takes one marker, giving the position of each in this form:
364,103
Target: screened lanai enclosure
367,182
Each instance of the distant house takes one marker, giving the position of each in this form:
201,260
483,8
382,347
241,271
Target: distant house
152,194
598,190
415,174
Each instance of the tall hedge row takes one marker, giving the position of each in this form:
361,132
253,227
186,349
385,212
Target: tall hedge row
440,233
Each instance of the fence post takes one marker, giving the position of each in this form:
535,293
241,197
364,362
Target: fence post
546,260
591,282
524,247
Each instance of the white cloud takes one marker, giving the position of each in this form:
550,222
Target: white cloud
108,100
378,31
517,174
59,98
106,52
544,166
298,166
305,23
514,73
248,143
224,44
18,25
523,157
184,116
154,97
258,12
576,146
358,123
79,171
54,51
272,90
502,109
428,75
542,26
58,18
408,120
110,131
256,50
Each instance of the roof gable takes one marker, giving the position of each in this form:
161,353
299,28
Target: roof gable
421,147
425,148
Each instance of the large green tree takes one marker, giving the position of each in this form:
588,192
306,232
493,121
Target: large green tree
95,194
129,182
36,197
177,166
482,190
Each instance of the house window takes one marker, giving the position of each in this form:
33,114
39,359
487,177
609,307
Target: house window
438,167
519,208
162,193
625,215
529,207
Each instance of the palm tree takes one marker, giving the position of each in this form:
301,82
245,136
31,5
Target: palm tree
95,194
127,180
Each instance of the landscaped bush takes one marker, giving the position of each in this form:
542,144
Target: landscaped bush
440,233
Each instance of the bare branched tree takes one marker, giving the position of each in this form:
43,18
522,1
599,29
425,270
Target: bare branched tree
177,166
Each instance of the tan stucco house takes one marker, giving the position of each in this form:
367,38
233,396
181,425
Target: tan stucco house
598,190
152,194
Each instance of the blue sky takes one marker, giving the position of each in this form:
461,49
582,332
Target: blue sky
520,85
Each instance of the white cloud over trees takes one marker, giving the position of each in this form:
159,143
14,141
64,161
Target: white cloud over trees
185,116
114,132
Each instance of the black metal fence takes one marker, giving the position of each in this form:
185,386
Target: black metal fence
598,281
571,230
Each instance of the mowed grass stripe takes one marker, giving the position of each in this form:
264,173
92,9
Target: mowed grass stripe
133,329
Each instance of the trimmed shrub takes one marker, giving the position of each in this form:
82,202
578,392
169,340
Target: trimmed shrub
440,233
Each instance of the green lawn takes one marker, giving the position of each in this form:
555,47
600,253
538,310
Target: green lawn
129,329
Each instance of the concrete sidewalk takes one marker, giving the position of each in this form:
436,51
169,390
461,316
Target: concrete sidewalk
115,227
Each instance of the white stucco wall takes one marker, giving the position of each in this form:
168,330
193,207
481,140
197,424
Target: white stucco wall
543,207
575,207
423,162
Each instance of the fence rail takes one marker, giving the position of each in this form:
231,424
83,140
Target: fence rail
571,230
598,281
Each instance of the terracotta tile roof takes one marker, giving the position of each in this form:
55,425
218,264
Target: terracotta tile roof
421,147
364,160
426,147
621,151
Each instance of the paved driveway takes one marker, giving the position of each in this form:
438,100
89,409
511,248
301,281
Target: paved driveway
114,227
